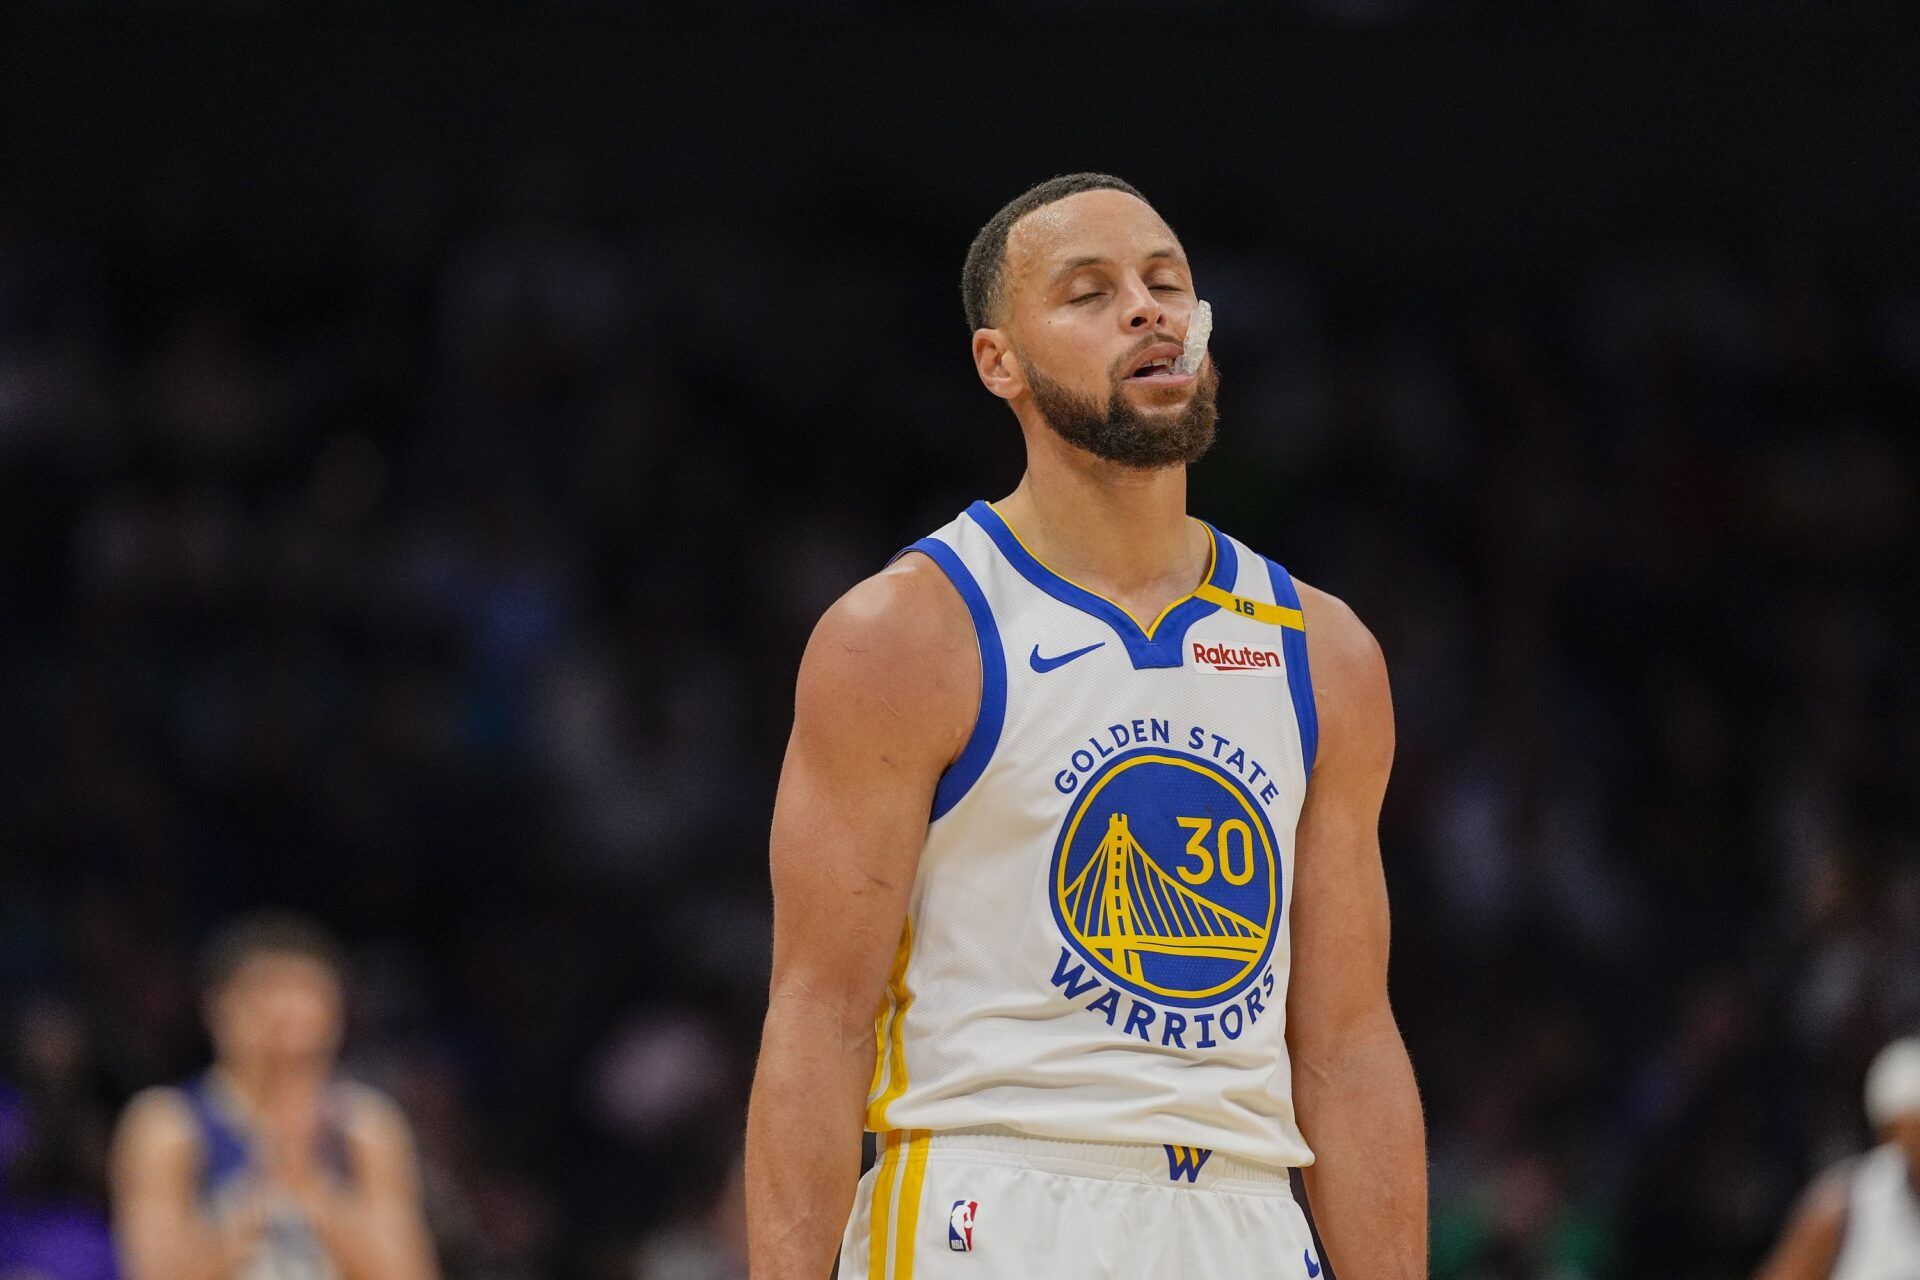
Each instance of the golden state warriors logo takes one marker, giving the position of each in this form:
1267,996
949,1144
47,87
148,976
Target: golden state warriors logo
1165,878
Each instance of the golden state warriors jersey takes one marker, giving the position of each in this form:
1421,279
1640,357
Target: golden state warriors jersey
1096,945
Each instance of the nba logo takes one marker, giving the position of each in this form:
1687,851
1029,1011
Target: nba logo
960,1225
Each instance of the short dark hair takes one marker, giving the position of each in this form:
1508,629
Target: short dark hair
263,933
983,278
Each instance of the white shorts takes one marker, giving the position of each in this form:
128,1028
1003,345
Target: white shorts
988,1204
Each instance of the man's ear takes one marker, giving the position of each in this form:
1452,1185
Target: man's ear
995,360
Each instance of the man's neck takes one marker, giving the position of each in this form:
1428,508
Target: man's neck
265,1088
1118,531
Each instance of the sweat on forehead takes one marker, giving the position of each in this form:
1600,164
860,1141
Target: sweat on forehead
983,281
1096,228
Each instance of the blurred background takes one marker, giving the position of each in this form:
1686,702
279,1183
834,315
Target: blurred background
425,443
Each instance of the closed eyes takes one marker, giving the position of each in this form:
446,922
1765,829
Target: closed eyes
1158,288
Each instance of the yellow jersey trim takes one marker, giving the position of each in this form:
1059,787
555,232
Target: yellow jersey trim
890,1054
1278,615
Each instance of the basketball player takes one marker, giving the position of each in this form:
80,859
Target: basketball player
1861,1220
1082,795
268,1167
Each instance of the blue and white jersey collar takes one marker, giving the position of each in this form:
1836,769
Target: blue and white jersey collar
1157,645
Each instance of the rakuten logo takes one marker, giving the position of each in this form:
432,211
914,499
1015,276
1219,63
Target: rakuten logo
1223,657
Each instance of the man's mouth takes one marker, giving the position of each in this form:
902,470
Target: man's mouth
1159,365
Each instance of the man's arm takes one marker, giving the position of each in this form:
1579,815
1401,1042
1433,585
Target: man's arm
1811,1243
157,1225
1353,1085
888,692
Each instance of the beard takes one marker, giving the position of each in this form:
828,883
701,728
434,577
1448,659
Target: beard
1120,432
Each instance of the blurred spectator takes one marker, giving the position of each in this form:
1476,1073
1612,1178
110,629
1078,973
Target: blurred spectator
268,1166
1861,1219
53,1142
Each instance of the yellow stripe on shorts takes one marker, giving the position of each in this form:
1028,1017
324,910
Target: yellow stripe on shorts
903,1240
882,1208
894,1222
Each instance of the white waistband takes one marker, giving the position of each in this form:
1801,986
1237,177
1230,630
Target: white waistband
1119,1161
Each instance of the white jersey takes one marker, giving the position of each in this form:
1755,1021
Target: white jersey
1096,945
1882,1239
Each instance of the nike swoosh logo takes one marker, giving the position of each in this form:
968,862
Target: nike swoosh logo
1313,1268
1044,665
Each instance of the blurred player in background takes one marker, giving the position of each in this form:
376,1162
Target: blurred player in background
1861,1220
269,1167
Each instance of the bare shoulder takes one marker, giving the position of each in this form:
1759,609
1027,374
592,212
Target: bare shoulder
1824,1203
372,1116
1350,690
910,603
897,656
1338,643
1810,1243
156,1138
159,1116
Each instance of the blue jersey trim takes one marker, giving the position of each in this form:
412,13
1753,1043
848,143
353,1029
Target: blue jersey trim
224,1152
227,1147
1299,679
1163,646
965,771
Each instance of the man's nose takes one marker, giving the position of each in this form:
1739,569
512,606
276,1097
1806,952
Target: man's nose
1143,308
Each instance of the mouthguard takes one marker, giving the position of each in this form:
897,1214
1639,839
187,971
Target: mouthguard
1199,329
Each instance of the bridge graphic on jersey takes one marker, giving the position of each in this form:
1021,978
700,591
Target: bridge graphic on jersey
1123,904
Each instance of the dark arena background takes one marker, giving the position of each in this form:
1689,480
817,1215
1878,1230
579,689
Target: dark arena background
426,440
